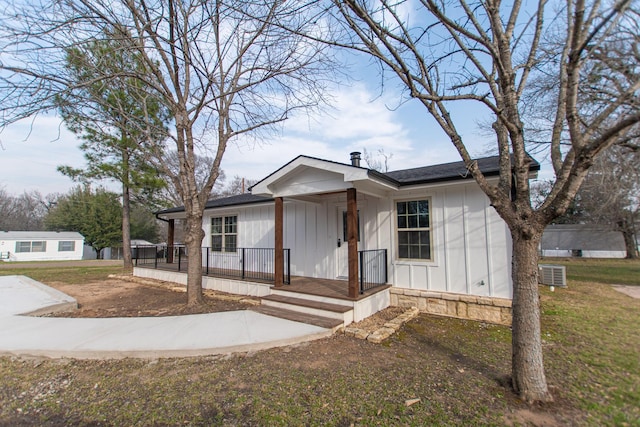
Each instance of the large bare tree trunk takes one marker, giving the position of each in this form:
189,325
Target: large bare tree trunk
630,244
626,227
193,242
528,376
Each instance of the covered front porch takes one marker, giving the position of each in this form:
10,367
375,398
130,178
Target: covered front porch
322,302
257,265
312,218
333,212
314,227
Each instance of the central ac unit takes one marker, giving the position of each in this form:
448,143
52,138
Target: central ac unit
552,275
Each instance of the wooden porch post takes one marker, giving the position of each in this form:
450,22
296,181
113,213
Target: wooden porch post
278,268
352,238
170,235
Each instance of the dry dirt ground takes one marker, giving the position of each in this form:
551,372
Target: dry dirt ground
127,296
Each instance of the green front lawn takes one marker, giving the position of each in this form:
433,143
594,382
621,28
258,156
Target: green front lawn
612,271
56,273
458,369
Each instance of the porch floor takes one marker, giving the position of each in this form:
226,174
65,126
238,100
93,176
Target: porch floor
338,289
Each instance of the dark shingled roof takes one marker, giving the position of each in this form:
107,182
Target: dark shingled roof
240,199
490,166
448,171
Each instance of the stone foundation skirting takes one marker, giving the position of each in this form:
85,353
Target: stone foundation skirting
462,306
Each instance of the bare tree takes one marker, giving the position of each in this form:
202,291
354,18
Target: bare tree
203,164
447,53
610,71
223,69
378,161
610,194
237,185
25,212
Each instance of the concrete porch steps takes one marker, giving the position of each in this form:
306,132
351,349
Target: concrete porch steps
311,297
310,307
297,316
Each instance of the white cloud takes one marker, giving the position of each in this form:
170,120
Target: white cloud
30,153
358,120
357,115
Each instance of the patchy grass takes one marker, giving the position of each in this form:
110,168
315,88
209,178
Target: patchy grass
612,271
58,272
592,350
338,381
458,369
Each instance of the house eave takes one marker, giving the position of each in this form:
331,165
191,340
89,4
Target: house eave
306,178
214,204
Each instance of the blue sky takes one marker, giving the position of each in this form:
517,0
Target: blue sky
361,118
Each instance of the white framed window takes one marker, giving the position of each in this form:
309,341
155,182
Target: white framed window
66,246
23,247
413,225
224,233
35,246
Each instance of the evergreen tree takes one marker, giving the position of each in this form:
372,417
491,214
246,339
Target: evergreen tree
96,215
116,118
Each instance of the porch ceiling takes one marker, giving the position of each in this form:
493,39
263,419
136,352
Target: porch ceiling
307,176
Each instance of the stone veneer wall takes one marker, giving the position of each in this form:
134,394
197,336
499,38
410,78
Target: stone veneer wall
485,309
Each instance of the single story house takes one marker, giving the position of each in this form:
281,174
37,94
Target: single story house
424,237
41,245
582,240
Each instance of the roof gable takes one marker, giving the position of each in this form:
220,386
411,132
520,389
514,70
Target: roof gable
306,175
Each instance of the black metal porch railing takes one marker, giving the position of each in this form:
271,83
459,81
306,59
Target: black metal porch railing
372,267
243,263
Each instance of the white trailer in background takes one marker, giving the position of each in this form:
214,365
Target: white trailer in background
41,245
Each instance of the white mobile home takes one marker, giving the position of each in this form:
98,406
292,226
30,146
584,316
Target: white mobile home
582,240
41,245
429,234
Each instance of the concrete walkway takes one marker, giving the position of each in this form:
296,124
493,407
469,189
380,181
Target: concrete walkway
144,337
632,291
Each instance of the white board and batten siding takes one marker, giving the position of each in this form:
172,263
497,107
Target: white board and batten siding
41,245
310,231
471,246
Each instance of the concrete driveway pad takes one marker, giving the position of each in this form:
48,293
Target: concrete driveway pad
146,337
632,291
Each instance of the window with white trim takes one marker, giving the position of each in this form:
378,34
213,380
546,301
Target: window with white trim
224,233
35,246
414,229
66,246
